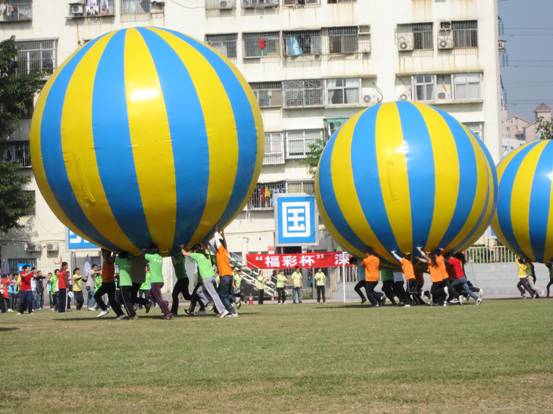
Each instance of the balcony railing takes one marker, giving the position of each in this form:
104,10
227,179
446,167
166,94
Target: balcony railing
493,254
16,11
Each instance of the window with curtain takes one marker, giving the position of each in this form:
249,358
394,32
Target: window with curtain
343,91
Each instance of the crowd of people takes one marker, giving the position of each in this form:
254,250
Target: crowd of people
139,280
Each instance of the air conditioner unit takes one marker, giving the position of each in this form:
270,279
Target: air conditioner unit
364,46
367,98
445,41
32,248
405,42
443,95
226,4
404,96
157,6
52,247
76,9
364,30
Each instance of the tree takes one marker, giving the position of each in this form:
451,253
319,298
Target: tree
544,129
313,156
16,96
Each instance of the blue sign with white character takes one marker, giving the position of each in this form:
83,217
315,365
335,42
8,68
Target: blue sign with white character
296,220
76,242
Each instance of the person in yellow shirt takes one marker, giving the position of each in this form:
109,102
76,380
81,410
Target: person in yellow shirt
77,289
281,281
260,285
524,284
320,283
297,283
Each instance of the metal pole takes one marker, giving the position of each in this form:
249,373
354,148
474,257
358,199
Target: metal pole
344,281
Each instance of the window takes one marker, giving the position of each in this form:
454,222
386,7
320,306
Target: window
298,142
262,197
29,196
300,2
307,187
332,125
302,43
467,86
340,1
465,33
261,44
274,148
17,152
444,90
16,11
248,4
135,6
343,91
343,39
422,35
36,55
99,8
423,85
476,127
268,94
14,264
224,44
299,93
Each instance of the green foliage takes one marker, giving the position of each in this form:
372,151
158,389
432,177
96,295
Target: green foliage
313,156
544,129
15,201
16,89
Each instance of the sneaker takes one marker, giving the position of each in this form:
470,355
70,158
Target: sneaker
481,293
122,318
11,310
478,301
224,314
406,305
233,315
461,300
148,306
168,317
91,309
102,314
19,314
445,305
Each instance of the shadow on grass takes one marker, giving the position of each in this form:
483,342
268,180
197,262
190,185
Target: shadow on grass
8,329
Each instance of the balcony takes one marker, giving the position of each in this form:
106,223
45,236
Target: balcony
12,11
91,9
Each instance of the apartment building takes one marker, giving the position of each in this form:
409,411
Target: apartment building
311,64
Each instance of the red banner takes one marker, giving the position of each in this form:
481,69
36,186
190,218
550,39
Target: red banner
302,260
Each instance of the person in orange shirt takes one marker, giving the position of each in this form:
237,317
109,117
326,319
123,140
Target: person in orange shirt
436,275
371,263
108,286
226,275
409,272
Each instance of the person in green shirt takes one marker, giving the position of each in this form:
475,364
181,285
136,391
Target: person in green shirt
125,283
260,285
155,263
144,292
297,283
320,283
237,284
387,278
281,281
77,289
54,290
208,293
181,287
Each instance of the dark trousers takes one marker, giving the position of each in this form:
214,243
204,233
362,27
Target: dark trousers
62,300
399,291
54,301
13,300
414,291
155,291
372,296
181,287
195,299
549,286
225,292
388,289
281,295
79,300
127,300
109,289
4,304
438,293
26,301
358,290
261,293
321,292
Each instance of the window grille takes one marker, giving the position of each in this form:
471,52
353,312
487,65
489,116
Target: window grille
298,142
422,34
300,2
261,44
343,39
307,187
224,44
300,93
17,152
36,55
274,148
343,91
302,43
16,10
135,6
262,196
99,8
268,94
14,263
465,33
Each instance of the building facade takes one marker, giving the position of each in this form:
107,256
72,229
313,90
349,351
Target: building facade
311,64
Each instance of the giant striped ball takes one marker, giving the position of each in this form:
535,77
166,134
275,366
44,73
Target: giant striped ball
146,136
401,175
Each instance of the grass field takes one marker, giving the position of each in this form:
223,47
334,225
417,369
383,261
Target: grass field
306,358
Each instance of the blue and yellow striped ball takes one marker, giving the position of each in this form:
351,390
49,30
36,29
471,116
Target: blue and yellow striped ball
401,175
144,136
524,216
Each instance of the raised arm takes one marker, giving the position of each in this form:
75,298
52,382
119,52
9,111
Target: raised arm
397,256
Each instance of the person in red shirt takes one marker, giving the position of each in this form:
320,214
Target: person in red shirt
457,270
25,292
4,294
63,283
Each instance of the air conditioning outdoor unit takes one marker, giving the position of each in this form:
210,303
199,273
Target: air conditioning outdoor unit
443,95
404,96
445,41
52,247
157,6
76,9
405,42
226,4
365,46
32,247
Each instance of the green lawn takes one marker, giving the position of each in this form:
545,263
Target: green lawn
293,358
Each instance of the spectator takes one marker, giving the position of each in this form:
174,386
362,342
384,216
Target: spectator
77,289
13,288
297,284
39,290
26,293
281,287
320,281
63,285
5,294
